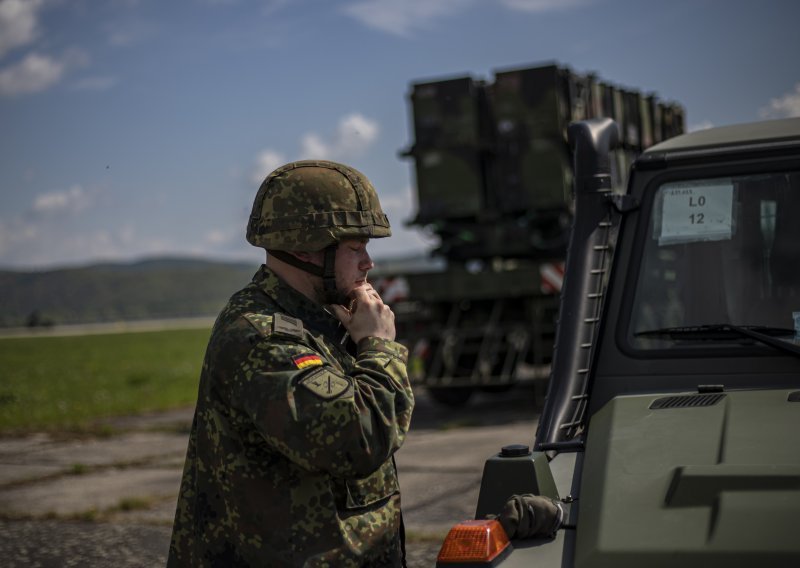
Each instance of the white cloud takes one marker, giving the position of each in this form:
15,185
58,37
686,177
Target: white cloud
218,237
101,244
94,83
30,242
702,125
128,32
354,135
266,161
34,73
402,18
540,6
122,38
314,147
73,199
18,23
48,245
272,6
14,232
786,106
127,234
37,72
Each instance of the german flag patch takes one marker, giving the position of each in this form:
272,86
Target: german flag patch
306,361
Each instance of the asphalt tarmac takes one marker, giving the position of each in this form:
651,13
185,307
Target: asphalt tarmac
110,500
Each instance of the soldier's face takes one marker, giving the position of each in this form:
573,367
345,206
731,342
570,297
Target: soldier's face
352,265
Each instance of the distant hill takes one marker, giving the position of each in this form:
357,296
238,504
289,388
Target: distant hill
150,289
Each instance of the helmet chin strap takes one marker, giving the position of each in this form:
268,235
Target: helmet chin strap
332,294
327,271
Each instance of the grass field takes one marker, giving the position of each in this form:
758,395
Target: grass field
67,383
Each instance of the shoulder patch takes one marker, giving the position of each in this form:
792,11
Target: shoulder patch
325,384
287,325
262,323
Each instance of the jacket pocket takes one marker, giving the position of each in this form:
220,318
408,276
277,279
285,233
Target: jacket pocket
372,489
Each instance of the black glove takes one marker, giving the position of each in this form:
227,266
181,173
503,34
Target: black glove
527,516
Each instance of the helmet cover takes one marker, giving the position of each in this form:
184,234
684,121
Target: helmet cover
309,205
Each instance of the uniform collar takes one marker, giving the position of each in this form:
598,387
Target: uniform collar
293,303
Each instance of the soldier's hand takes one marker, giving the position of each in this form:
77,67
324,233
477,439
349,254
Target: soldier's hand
527,516
368,316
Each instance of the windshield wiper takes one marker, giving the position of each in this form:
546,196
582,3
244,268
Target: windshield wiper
721,331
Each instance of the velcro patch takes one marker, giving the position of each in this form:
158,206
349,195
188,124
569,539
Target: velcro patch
287,325
261,322
325,384
305,361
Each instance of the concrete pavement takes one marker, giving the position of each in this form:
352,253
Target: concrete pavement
109,501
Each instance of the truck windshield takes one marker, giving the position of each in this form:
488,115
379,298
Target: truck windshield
719,251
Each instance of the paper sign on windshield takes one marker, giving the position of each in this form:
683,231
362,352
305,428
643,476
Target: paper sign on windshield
696,213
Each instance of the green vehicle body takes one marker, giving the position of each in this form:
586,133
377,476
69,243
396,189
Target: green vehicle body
671,422
494,185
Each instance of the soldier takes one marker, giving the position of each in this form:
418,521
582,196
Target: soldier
304,396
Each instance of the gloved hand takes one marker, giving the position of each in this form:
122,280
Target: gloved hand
527,516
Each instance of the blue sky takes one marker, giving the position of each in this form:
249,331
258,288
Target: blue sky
134,128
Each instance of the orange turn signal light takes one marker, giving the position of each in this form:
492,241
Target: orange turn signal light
477,543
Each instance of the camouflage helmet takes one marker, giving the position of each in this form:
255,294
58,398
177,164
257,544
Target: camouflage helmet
309,205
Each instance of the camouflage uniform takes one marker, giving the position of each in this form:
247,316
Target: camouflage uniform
290,454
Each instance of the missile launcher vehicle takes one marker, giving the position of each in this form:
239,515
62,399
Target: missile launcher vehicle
494,185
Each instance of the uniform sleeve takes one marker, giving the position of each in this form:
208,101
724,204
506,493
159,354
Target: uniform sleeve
320,418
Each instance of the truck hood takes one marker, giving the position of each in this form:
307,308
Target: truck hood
692,480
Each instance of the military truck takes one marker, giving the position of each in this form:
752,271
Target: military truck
493,183
670,427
